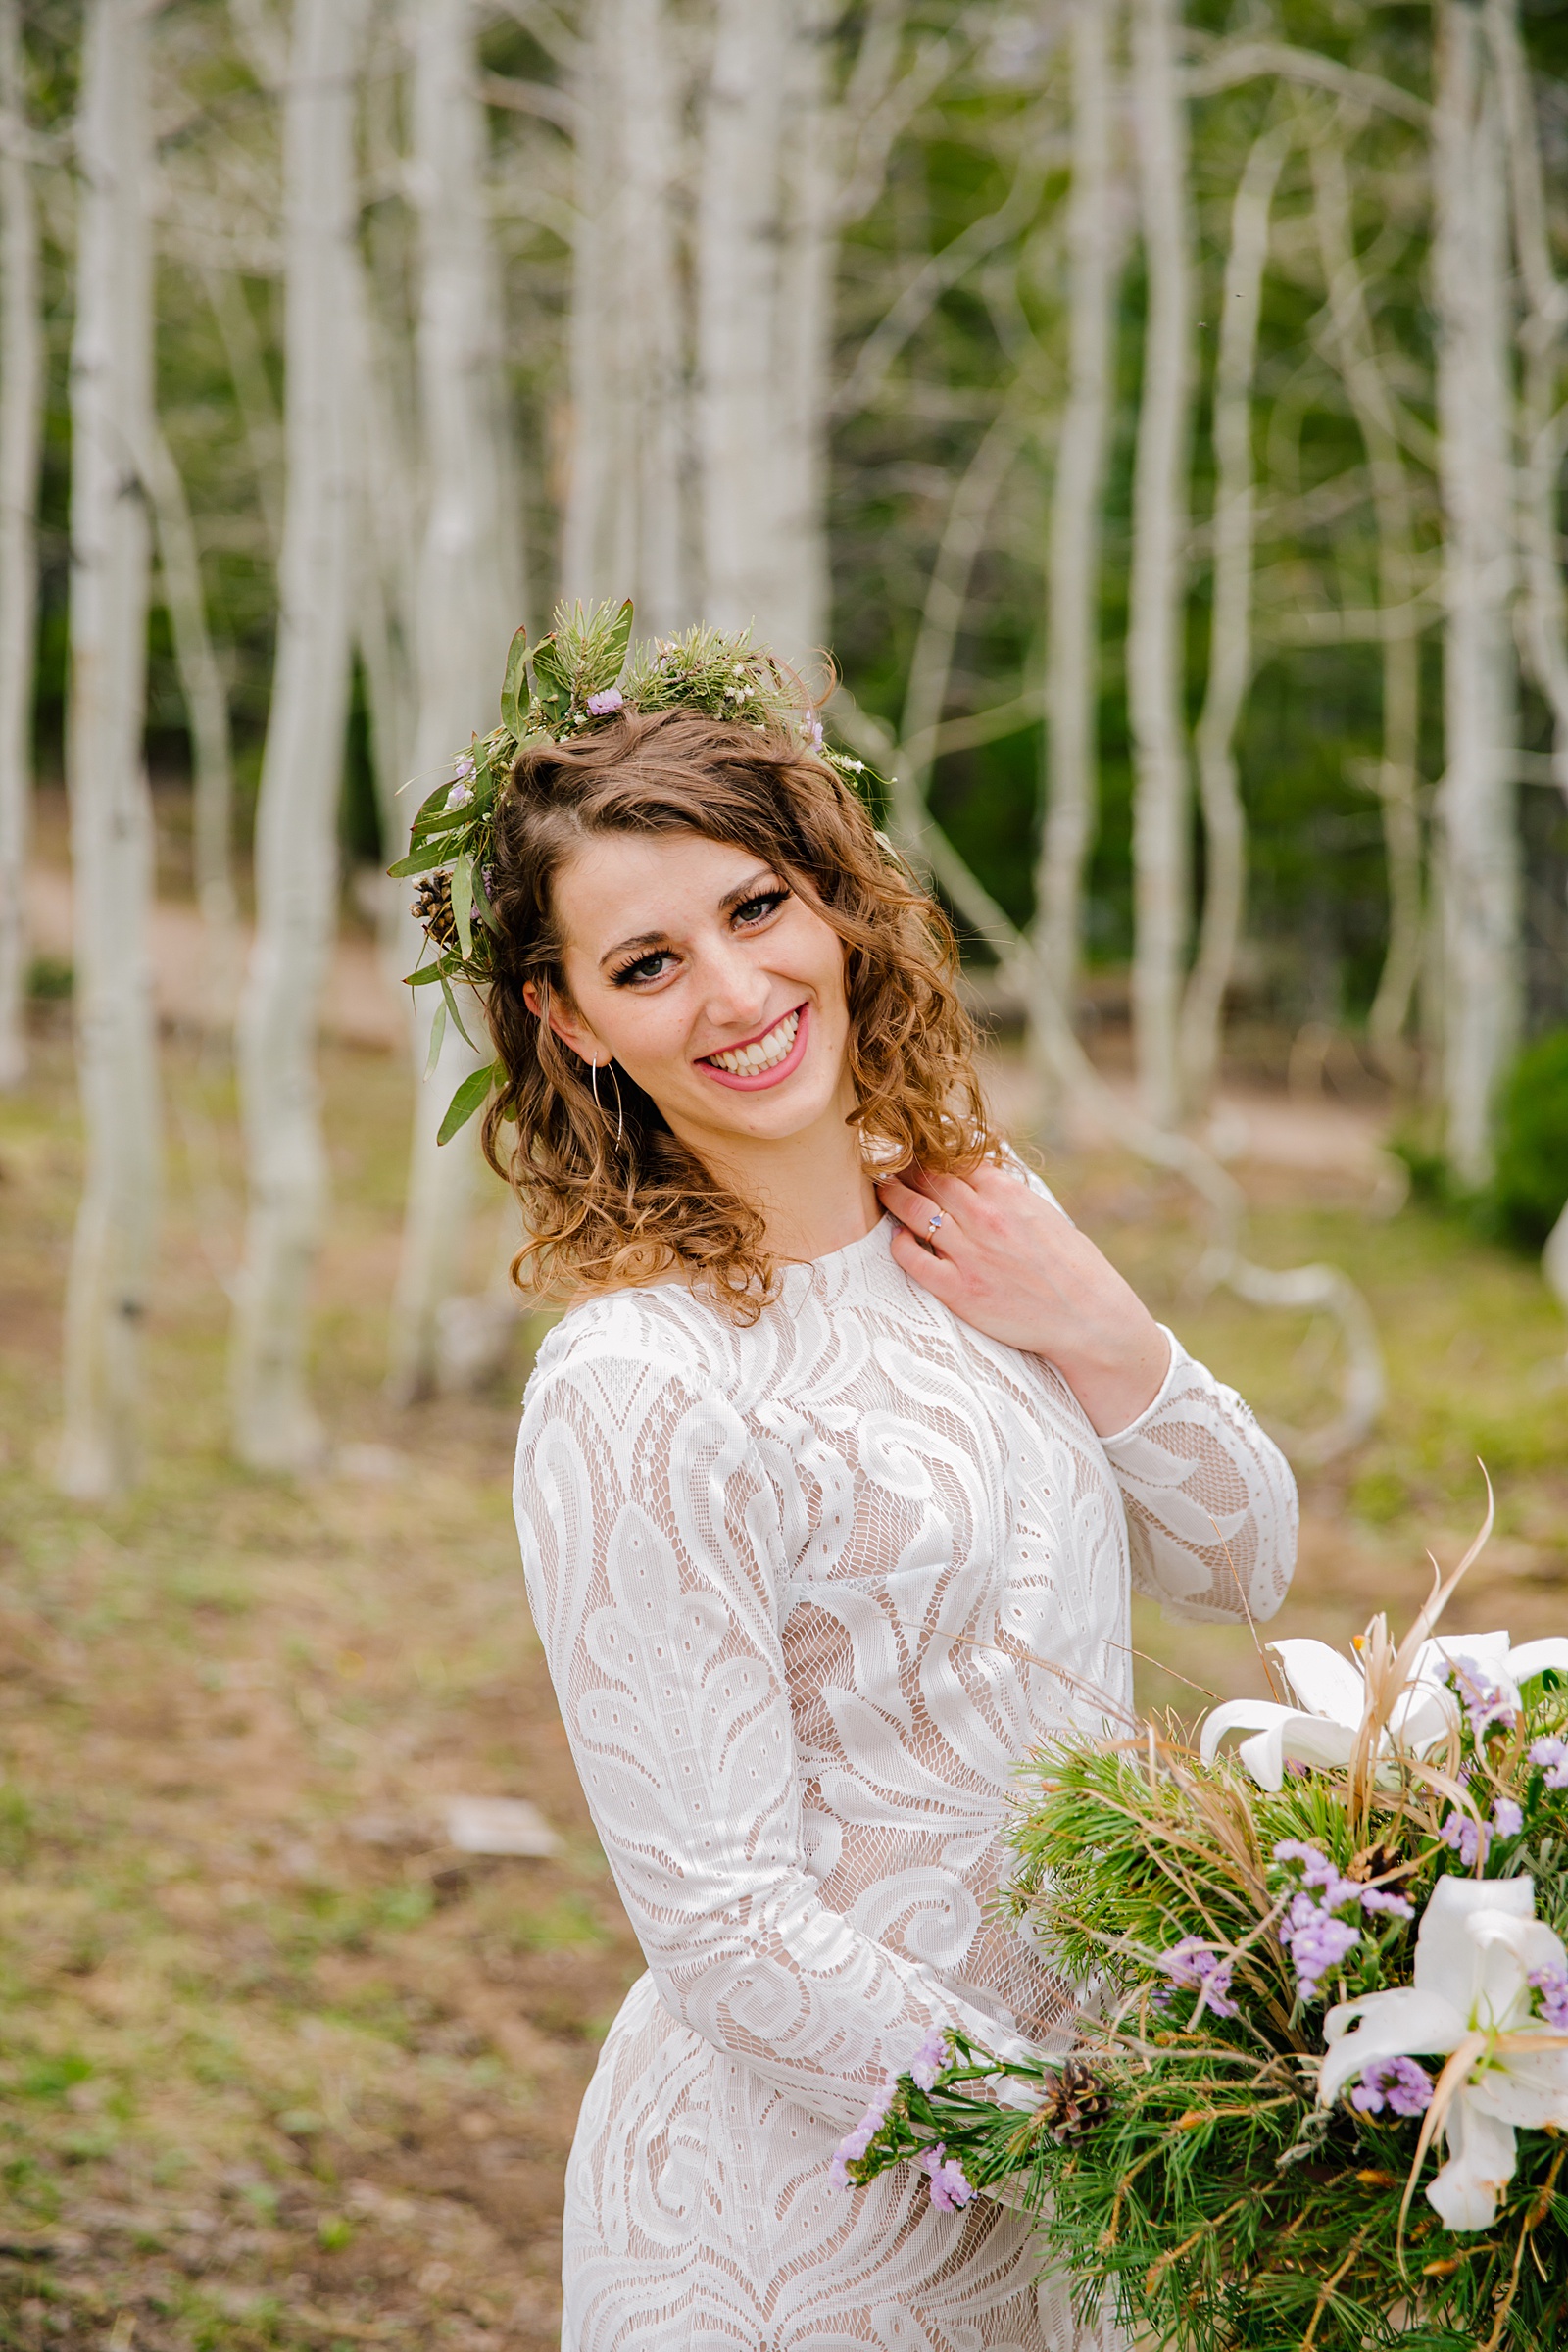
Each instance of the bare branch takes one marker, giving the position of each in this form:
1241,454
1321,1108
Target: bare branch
1228,68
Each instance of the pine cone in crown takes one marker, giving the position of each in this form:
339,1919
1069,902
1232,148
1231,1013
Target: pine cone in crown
431,906
1074,2101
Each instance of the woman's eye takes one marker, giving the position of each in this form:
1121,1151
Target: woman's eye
646,967
757,910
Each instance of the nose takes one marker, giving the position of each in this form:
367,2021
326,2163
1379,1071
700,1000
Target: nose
734,987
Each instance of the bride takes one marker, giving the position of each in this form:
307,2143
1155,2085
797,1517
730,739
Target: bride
831,1486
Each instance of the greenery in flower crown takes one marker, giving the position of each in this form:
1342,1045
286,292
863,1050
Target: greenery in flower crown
1190,2163
573,680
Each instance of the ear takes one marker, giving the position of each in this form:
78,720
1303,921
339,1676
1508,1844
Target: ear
572,1032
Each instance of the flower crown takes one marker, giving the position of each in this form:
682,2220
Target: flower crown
575,679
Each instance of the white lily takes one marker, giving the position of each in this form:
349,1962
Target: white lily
1331,1693
1472,2003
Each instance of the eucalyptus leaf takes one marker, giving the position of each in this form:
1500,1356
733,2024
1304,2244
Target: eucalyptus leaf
452,1008
423,976
438,1037
465,1103
421,862
515,685
462,903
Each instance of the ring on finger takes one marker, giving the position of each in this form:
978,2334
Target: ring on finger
936,1220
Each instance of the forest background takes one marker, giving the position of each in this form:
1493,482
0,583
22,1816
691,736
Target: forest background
1159,413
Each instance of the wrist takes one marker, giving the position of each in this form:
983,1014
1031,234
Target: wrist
1116,1382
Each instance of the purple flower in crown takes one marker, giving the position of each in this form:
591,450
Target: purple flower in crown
461,792
951,2189
1551,1755
487,880
600,706
812,729
1397,2083
1192,1962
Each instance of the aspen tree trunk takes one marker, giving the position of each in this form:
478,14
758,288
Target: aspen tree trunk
201,682
111,811
1230,652
739,234
796,615
624,528
1475,407
296,844
1355,353
1072,678
21,414
1157,601
468,598
1542,418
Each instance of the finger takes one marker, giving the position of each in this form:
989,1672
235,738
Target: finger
949,1192
912,1210
922,1265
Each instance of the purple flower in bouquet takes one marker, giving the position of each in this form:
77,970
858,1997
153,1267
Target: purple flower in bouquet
1316,1941
1468,1839
855,2144
1553,1985
1484,1701
600,706
1397,2083
950,2188
1553,1757
1192,1962
1507,1818
929,2059
1318,1872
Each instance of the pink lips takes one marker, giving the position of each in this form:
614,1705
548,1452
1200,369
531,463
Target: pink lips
781,1070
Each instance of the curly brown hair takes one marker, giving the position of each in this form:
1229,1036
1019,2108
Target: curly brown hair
616,1199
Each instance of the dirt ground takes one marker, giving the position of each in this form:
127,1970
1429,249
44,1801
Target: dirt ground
279,2066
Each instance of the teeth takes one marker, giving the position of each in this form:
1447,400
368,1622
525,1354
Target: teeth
748,1061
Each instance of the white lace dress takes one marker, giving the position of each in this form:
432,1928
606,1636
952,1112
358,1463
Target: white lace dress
809,1590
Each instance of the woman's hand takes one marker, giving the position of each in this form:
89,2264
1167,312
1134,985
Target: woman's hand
1016,1268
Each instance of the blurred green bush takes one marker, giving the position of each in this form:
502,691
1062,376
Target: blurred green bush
1531,1185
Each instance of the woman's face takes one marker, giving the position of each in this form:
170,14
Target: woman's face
711,983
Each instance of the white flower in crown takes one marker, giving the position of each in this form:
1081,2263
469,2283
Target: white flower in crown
1482,1672
1489,1996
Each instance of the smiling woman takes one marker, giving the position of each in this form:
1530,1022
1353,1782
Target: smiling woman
830,1486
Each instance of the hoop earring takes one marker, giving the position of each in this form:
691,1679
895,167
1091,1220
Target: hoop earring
594,1069
620,1117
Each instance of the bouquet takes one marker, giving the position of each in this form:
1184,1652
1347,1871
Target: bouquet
1318,2093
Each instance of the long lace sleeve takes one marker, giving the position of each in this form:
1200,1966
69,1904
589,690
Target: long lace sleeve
655,1562
1211,1509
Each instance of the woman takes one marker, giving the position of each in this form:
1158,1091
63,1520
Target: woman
828,1485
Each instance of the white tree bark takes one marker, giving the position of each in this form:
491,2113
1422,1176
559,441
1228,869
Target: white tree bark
1355,354
1475,410
469,599
21,414
111,811
1161,797
765,225
626,532
1230,651
1543,417
201,683
296,848
1072,676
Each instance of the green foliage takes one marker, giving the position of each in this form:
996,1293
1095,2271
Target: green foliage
1530,1185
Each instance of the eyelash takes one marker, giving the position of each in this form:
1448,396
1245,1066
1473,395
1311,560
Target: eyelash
769,901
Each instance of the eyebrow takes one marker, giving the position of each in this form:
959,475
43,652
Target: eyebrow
755,886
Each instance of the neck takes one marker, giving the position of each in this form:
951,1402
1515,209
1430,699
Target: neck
812,1188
